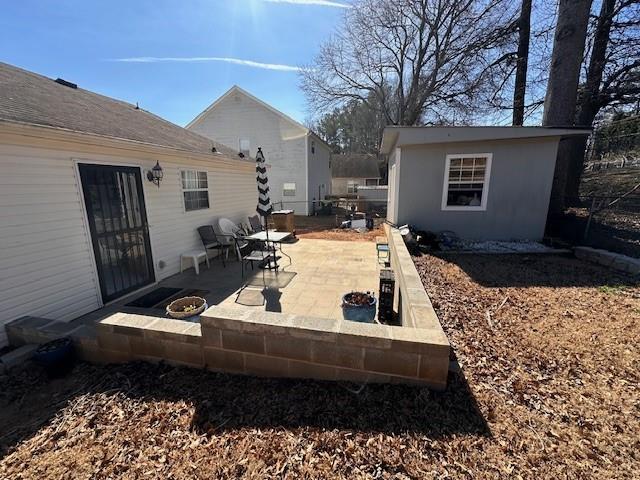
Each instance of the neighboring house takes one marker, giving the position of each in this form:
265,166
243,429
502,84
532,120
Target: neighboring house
297,159
489,183
352,170
80,223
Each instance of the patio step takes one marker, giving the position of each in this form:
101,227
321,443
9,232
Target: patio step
17,356
37,330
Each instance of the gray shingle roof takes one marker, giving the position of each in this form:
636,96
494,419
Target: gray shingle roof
354,165
30,98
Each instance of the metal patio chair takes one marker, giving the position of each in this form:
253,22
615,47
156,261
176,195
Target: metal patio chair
210,241
256,225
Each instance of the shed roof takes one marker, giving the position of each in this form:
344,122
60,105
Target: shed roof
29,98
354,165
403,136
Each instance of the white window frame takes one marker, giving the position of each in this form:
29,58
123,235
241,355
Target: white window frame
485,188
284,189
182,190
245,152
352,187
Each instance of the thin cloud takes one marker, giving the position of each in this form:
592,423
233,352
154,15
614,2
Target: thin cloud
235,61
322,3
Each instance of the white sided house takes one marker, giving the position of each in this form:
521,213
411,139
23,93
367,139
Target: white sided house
298,161
80,222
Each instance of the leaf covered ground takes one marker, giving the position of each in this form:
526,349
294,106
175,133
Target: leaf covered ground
548,350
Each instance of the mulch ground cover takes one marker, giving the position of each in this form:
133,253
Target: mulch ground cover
548,389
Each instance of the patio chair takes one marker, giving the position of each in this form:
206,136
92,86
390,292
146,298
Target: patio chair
233,236
255,223
259,256
210,241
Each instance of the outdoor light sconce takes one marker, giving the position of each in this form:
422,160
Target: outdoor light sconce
155,174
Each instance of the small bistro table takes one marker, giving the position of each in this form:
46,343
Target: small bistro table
274,238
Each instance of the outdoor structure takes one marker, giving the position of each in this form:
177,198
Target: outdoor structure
99,198
297,159
483,183
353,170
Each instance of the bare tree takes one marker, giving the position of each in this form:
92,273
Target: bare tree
420,59
612,77
562,88
568,51
522,60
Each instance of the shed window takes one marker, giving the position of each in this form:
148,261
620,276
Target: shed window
466,181
289,189
352,186
195,190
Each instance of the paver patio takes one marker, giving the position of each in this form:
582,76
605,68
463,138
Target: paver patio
324,271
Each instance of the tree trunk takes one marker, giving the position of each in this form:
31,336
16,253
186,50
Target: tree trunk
589,102
562,89
524,32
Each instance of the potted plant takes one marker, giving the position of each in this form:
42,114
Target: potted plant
56,356
359,306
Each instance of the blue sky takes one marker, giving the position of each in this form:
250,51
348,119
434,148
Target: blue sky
180,52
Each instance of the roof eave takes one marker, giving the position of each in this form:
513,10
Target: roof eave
45,131
401,136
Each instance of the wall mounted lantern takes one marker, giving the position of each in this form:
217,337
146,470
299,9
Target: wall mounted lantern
155,174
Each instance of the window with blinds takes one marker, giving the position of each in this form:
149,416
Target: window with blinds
195,190
466,182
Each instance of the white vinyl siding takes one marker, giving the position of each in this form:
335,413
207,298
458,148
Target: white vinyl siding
283,143
46,257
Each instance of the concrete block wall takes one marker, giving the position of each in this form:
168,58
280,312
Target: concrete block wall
273,344
124,337
606,258
277,345
414,306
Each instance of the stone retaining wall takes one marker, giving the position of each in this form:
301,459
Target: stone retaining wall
278,345
414,306
274,344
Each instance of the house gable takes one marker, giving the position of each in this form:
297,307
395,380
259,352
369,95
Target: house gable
237,95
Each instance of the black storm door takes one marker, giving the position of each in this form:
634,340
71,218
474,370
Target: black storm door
119,231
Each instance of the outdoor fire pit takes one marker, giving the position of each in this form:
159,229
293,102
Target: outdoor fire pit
359,307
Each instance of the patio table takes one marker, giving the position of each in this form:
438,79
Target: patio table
274,238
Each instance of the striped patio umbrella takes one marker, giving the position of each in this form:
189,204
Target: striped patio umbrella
264,207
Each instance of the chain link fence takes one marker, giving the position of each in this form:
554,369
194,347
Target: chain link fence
606,222
607,213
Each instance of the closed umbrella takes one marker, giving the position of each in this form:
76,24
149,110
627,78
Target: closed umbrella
264,207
